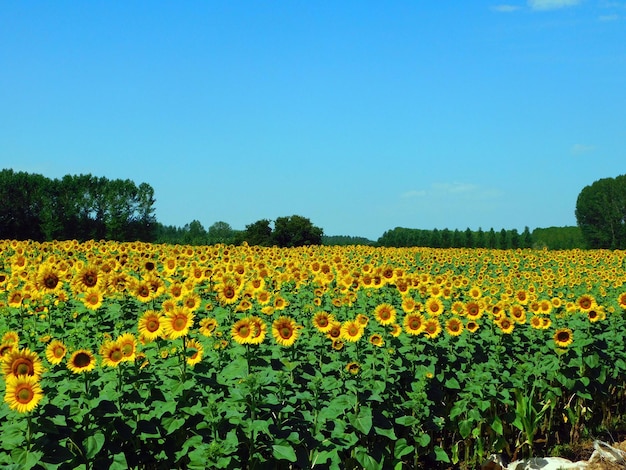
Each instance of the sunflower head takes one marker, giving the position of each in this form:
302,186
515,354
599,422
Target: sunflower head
81,361
23,393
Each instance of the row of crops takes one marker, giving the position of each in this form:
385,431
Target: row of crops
134,355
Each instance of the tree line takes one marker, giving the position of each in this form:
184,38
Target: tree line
79,207
86,207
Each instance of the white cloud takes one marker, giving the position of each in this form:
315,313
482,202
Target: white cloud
551,4
608,17
579,149
414,193
442,191
505,8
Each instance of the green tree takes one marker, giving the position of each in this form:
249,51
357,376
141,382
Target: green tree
296,230
527,238
194,233
259,233
221,232
601,213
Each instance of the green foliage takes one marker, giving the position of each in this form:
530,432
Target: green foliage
601,213
75,207
345,240
445,238
558,238
288,232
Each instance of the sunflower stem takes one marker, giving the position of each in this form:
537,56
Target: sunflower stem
29,431
184,359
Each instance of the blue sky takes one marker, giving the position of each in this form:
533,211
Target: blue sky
360,115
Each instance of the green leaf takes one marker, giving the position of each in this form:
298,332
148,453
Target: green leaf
407,420
592,360
453,383
441,455
93,444
366,460
172,423
423,440
25,458
284,452
496,425
363,420
465,428
402,448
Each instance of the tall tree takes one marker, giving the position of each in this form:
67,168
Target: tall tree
296,230
601,213
259,233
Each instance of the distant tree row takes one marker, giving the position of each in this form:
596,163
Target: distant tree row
80,207
87,207
289,231
445,238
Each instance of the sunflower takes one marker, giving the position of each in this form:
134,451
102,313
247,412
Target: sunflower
15,298
621,300
55,352
191,301
195,351
472,326
385,314
596,314
22,393
48,279
280,303
244,305
396,330
586,302
434,306
377,340
506,324
22,362
243,331
536,322
409,304
362,320
335,330
81,360
87,278
432,327
177,323
128,345
11,337
322,321
207,326
227,292
151,325
563,337
521,296
473,310
337,344
260,330
263,297
111,353
475,293
353,368
6,348
518,314
351,331
285,331
454,327
93,298
414,323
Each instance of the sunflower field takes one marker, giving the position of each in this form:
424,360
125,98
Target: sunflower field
134,355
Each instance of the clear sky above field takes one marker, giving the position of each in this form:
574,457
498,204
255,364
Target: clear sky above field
360,115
